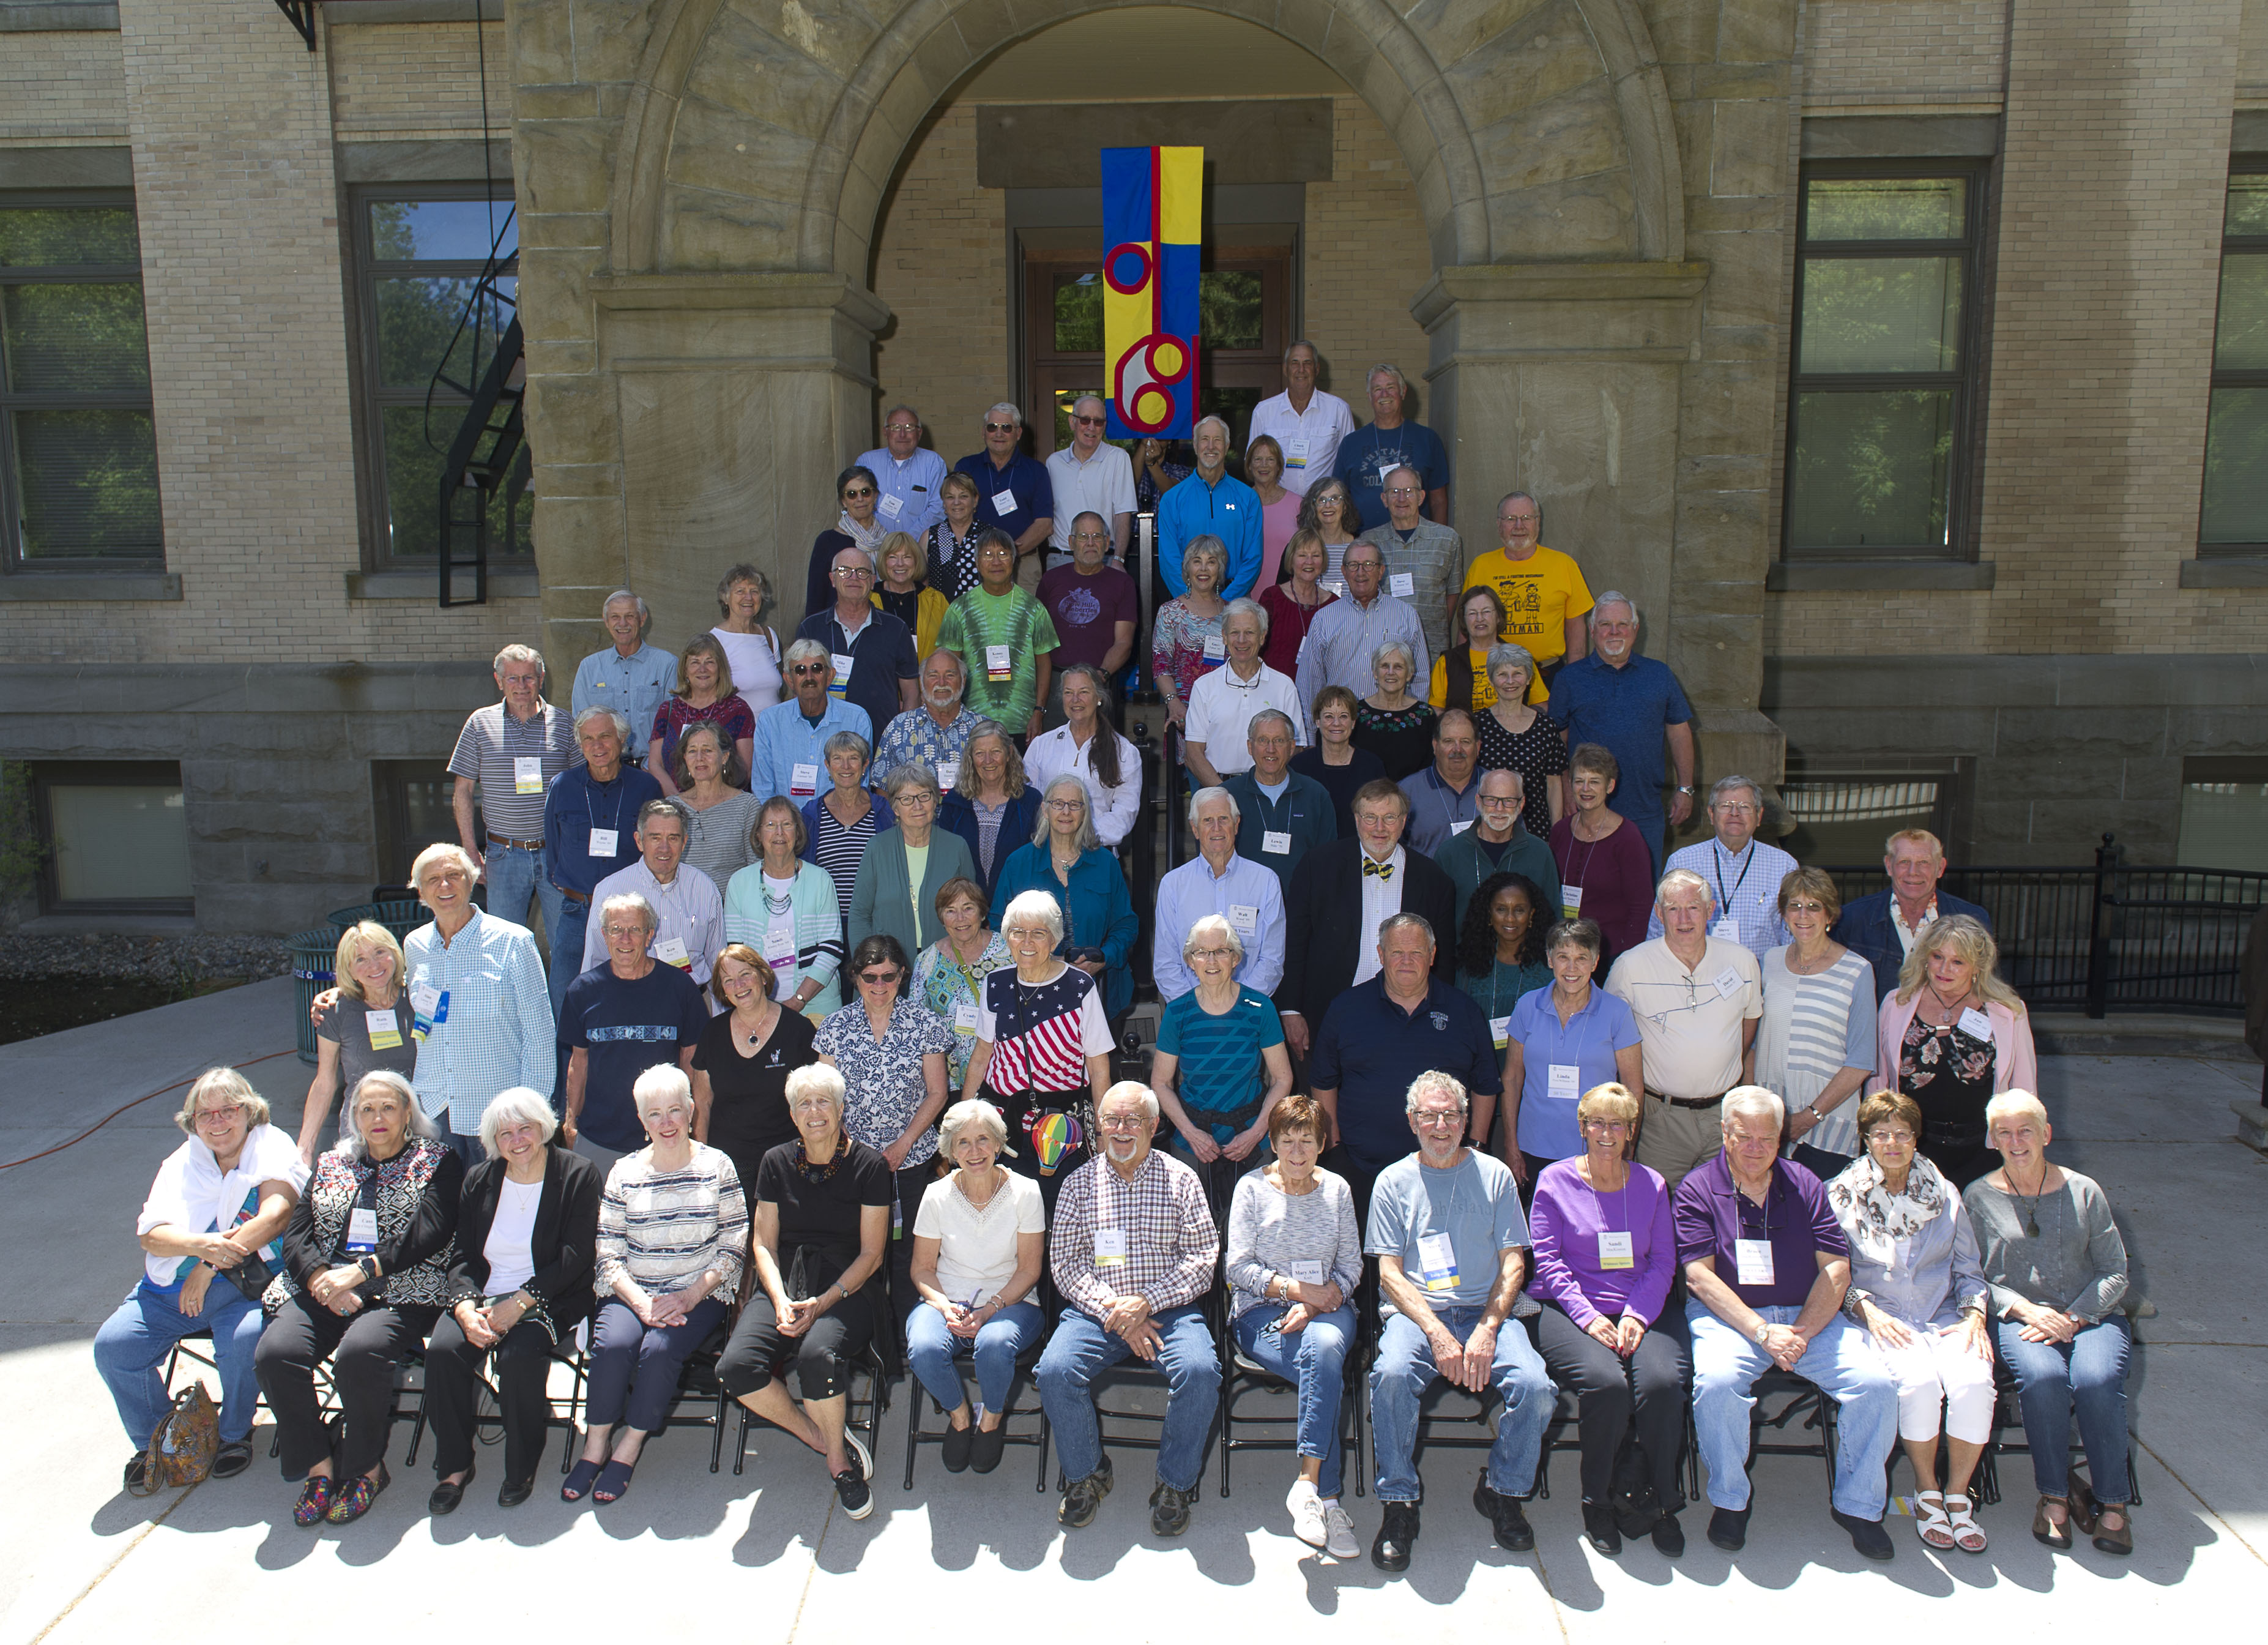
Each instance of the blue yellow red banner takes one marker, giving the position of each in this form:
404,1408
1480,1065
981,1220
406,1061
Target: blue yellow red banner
1152,213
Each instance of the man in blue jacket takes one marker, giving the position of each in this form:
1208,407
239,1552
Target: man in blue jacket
1880,929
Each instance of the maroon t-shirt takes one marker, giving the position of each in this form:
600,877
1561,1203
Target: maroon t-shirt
1086,612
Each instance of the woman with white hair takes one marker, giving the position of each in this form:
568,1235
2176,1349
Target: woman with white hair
365,1274
528,1232
1066,861
1042,1053
1392,722
1221,1067
215,1209
672,1231
980,1241
2057,1267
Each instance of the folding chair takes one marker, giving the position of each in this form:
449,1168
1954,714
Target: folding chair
866,1362
1042,1435
1242,1378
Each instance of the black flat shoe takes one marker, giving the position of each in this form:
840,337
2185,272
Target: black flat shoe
1728,1529
232,1459
958,1443
1868,1537
446,1496
515,1491
1669,1536
1599,1526
985,1450
1513,1533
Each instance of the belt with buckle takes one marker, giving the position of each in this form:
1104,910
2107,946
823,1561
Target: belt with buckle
517,844
1686,1102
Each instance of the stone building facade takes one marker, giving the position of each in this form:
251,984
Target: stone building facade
745,225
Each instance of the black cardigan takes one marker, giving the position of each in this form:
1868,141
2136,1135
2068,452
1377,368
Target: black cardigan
565,1244
1323,916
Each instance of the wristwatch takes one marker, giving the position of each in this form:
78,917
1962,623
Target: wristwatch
1764,1330
1685,788
368,1264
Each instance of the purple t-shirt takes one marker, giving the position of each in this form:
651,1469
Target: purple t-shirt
1566,1220
1711,1214
1086,612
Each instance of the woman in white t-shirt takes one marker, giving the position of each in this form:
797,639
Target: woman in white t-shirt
980,1239
751,649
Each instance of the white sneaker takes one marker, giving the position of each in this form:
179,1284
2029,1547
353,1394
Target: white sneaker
1338,1540
1307,1512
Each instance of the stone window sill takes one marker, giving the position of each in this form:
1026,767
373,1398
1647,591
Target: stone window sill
1884,576
2233,572
516,584
92,585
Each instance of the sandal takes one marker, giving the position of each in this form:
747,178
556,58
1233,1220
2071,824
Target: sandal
1968,1534
1929,1521
614,1481
2056,1533
578,1480
2118,1539
314,1500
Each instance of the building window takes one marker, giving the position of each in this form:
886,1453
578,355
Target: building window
2224,814
1844,814
410,803
2235,517
1884,361
79,445
425,341
114,837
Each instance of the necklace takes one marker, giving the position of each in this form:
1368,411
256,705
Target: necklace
2032,1206
819,1173
756,1034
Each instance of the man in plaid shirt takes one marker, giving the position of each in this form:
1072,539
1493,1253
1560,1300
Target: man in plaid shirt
1133,1251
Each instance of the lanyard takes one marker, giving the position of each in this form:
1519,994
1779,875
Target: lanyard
591,812
1716,867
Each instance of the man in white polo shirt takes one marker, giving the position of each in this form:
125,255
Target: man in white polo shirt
1308,423
1223,701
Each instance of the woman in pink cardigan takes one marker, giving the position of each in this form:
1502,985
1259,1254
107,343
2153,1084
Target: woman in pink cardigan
1952,1037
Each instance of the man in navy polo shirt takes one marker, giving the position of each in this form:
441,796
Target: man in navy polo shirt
1379,1035
1280,814
590,821
629,1015
1013,491
1628,704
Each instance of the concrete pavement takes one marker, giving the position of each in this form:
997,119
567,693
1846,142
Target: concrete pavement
80,1562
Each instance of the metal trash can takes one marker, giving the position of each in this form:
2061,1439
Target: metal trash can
400,918
313,954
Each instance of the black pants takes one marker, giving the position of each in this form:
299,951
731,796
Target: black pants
365,1349
1608,1389
821,1356
522,1369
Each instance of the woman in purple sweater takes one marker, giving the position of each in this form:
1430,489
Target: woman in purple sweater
1605,1255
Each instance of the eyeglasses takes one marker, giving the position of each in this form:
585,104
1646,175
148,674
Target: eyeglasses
1403,490
1211,954
1518,519
1434,1120
1607,1127
876,979
999,428
853,572
1066,805
1090,422
1500,802
914,797
1123,1121
1737,808
901,428
220,1115
623,931
1807,908
1891,1136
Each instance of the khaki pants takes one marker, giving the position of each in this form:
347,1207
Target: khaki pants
1673,1141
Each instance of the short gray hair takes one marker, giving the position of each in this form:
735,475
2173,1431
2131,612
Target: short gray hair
1406,921
913,774
1134,1089
621,725
1402,645
1010,407
1433,1082
384,1080
1387,369
517,1105
517,653
621,595
1214,793
222,1082
1219,422
805,651
1683,880
1242,606
847,741
1756,1100
441,852
814,1078
632,902
2011,1102
1253,724
1724,785
1213,925
1611,597
973,1110
1033,908
1505,651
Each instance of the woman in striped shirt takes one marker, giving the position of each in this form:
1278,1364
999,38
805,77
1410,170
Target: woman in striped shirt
1815,1045
1042,1055
840,825
673,1235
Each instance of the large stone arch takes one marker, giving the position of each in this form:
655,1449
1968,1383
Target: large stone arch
762,133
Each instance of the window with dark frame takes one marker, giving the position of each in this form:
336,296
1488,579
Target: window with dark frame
410,800
79,440
419,252
115,838
1883,365
2235,517
1843,808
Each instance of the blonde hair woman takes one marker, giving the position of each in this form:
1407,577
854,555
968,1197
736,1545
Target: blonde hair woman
363,1027
1951,1036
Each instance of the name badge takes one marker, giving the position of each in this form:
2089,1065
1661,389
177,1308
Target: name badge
1563,1081
1214,649
1306,1270
1277,840
948,772
891,507
1725,930
1295,454
604,842
1752,1261
1500,1030
431,1007
843,664
1401,585
384,1029
670,951
1000,666
1301,656
1003,502
964,1019
779,953
1245,917
1437,1262
803,781
1615,1251
528,774
1571,899
1110,1247
362,1230
1976,1024
1728,982
1458,828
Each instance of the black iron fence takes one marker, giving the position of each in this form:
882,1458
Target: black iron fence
2110,938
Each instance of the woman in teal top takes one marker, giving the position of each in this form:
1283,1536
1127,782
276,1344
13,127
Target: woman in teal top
907,866
1065,860
1500,947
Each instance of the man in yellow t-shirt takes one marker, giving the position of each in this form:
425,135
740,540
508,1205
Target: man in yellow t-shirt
1544,595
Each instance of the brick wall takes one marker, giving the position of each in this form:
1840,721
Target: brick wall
2252,54
62,88
406,80
1367,256
1902,54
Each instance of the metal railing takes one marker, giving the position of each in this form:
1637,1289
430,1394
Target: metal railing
2110,938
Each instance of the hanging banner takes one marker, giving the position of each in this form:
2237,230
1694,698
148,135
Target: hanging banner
1152,207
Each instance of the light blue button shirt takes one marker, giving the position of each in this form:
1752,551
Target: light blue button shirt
632,686
496,1029
916,485
785,740
1192,891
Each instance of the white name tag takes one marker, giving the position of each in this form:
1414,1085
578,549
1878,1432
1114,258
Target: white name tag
1752,1261
1437,1262
528,774
1562,1080
1276,840
670,951
1976,1024
1295,454
362,1229
1401,585
1245,918
1500,1030
604,841
1458,828
964,1019
803,781
1725,930
998,665
1301,656
1306,1270
1570,900
424,998
1615,1251
1110,1247
1003,502
1214,649
948,772
1728,982
384,1029
891,507
844,663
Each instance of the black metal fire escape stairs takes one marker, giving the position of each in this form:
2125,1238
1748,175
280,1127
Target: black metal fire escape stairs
488,459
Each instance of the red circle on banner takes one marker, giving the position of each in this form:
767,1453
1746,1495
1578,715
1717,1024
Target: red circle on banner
1117,272
1144,378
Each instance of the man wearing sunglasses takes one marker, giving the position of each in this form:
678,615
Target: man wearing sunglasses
1089,477
788,756
1013,491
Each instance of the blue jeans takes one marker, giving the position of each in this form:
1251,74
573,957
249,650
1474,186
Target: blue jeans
468,1145
515,875
1405,1370
134,1341
567,929
1845,1367
1314,1358
1081,1350
2088,1372
932,1348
